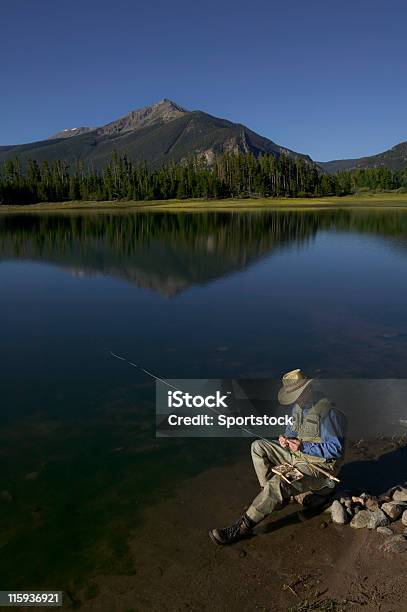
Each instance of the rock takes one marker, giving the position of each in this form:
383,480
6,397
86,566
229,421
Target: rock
400,494
323,525
405,533
404,518
6,496
396,544
384,531
361,519
389,492
358,500
372,504
377,519
346,500
393,510
338,513
31,476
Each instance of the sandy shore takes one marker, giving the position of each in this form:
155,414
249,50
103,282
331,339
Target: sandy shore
290,564
369,200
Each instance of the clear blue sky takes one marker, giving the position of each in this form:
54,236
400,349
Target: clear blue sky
326,78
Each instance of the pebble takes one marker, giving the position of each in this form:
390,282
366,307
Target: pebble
377,519
404,518
6,496
393,510
384,530
31,476
361,519
338,513
400,494
396,544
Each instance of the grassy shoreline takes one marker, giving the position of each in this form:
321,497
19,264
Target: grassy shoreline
369,200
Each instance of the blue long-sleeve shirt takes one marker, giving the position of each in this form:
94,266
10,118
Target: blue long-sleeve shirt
333,430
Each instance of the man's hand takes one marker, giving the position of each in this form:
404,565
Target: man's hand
283,441
293,444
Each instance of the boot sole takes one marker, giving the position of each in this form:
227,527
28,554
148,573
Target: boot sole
215,540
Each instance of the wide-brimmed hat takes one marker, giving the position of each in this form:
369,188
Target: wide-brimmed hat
294,384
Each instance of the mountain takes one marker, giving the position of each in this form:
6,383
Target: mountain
157,134
69,132
393,159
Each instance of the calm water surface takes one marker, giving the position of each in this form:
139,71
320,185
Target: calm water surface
187,296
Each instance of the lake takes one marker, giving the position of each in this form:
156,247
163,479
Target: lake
193,295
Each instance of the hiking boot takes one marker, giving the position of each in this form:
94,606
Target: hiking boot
228,535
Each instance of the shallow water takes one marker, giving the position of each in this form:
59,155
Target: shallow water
205,295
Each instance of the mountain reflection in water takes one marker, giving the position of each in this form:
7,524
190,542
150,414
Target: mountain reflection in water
168,253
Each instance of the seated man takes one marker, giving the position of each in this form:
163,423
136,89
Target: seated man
313,444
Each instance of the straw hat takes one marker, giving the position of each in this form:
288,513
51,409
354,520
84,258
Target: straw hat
294,384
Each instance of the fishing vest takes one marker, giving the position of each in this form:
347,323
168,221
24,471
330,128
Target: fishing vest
308,427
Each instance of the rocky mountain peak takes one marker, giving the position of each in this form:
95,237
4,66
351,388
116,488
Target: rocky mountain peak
161,112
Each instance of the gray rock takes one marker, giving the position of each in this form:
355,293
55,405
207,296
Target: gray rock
361,519
400,494
404,518
384,530
396,544
377,519
338,513
393,510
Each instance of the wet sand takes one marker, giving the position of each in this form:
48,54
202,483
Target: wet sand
290,564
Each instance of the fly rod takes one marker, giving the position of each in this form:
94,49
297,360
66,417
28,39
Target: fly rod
246,430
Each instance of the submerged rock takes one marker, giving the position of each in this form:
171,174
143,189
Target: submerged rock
396,544
384,531
338,513
361,519
404,518
31,476
6,496
393,510
377,519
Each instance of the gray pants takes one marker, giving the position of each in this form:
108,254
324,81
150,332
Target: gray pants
275,491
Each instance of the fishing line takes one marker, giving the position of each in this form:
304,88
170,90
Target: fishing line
135,365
